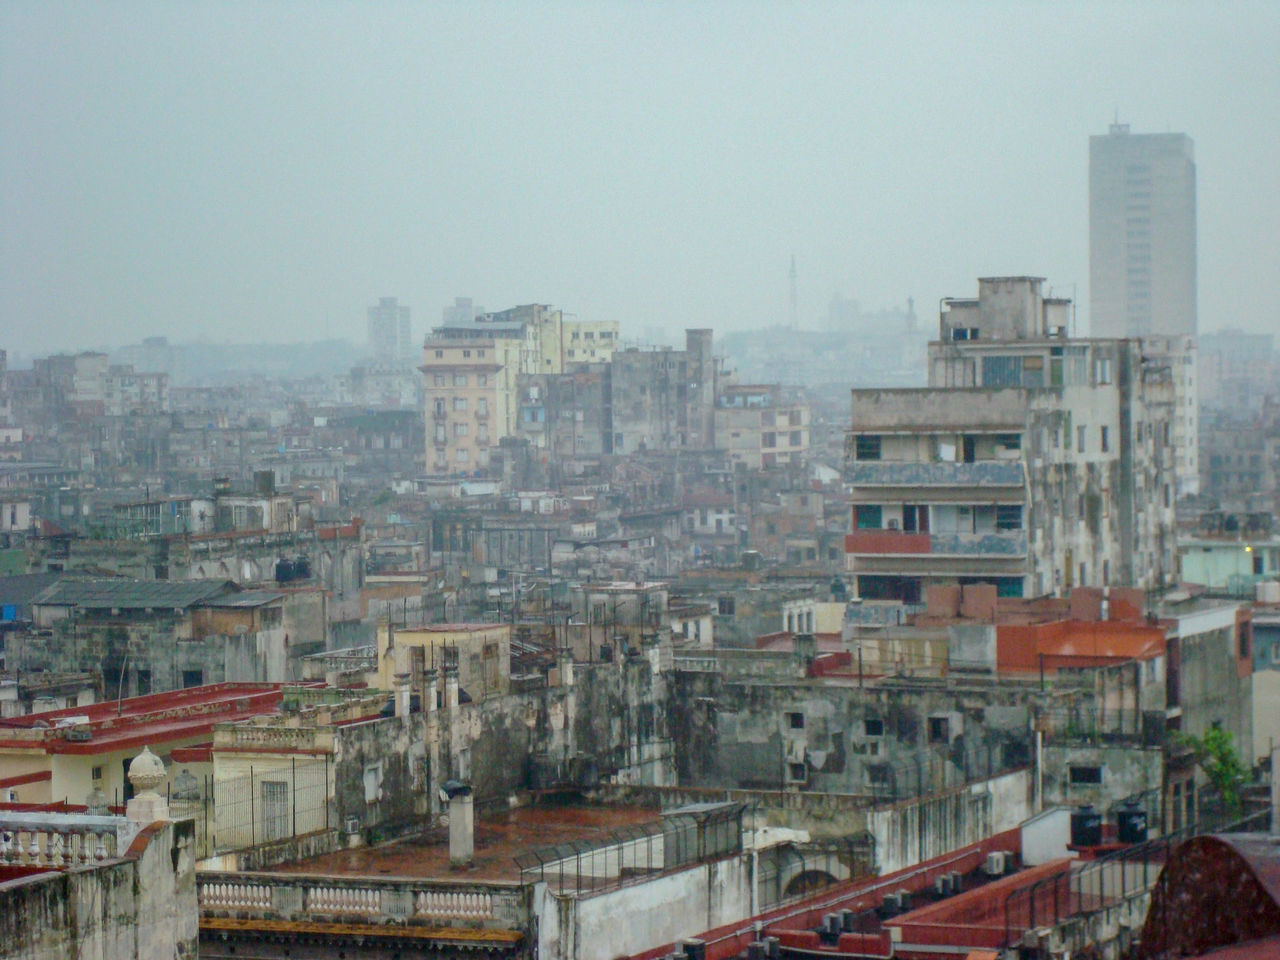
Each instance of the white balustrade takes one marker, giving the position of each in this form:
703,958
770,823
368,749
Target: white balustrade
59,841
234,896
357,900
448,903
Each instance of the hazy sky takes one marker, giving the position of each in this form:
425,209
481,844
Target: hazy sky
267,170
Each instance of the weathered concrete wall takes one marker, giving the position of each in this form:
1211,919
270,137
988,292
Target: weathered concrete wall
1125,770
610,723
884,740
142,906
910,833
644,915
380,773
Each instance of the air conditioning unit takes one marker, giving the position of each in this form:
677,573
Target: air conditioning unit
994,865
894,524
351,825
942,885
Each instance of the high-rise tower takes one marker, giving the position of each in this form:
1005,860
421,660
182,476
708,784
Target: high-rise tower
389,333
1142,234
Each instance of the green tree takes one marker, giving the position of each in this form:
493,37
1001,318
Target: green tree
1217,756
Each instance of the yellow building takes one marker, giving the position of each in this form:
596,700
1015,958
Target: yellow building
469,401
587,341
482,652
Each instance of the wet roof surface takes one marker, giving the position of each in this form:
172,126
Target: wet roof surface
499,839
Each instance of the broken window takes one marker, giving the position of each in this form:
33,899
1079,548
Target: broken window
1084,774
867,446
1009,516
939,730
795,721
797,772
873,728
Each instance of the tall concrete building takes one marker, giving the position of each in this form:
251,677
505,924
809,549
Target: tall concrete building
1142,234
389,333
1142,263
1033,461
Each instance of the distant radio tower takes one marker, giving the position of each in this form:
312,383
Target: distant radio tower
794,313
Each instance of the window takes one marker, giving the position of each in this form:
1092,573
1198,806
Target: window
459,429
725,606
459,379
767,418
867,446
939,730
96,774
275,809
1008,516
192,678
868,516
770,439
1010,441
793,418
797,772
1244,643
588,335
438,380
482,379
462,455
873,728
1104,439
915,518
459,403
480,353
467,354
795,721
1084,775
1080,439
439,354
373,782
795,438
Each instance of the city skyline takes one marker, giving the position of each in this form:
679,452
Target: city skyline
183,173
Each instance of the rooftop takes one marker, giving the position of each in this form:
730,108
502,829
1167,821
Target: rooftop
157,718
132,594
499,839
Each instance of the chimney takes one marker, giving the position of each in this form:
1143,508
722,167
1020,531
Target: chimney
564,663
451,690
462,826
402,695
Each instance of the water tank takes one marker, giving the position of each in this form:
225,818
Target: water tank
1131,822
1086,827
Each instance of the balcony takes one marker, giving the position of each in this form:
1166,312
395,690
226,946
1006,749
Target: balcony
1001,543
987,473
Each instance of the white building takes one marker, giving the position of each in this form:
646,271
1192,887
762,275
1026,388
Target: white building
1033,461
1142,234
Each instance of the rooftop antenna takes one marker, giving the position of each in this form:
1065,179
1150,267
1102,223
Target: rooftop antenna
793,291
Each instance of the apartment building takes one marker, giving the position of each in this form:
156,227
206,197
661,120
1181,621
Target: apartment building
1033,461
664,399
469,400
756,426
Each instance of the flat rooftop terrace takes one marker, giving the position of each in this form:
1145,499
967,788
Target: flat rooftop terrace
499,838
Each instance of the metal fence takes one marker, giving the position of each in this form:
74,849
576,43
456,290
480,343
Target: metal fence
1087,723
794,871
633,853
267,804
1108,880
926,773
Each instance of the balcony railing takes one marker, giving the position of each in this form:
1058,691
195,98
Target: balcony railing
987,473
1000,543
497,908
60,840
